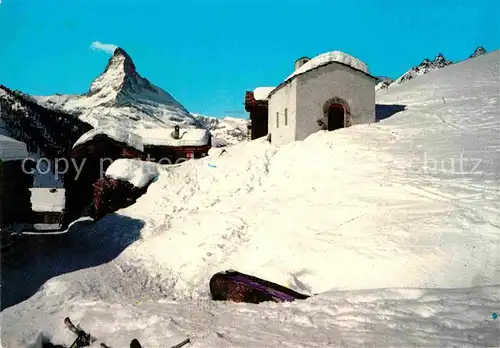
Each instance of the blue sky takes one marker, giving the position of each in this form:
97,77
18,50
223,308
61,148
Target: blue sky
208,53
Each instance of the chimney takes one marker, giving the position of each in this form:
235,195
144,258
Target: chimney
301,61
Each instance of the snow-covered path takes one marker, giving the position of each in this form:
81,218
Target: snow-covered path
396,224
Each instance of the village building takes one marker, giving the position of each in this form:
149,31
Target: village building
15,183
331,91
90,156
96,150
257,105
48,206
175,145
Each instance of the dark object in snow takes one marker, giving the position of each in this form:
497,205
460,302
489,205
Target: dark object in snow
135,344
182,344
176,133
111,195
51,345
239,287
83,339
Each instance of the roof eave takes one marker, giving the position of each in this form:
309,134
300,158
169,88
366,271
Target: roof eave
319,66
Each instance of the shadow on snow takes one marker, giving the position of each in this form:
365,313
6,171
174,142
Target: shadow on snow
39,258
383,111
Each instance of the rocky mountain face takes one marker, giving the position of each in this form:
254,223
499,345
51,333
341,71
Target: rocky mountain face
424,67
383,82
478,51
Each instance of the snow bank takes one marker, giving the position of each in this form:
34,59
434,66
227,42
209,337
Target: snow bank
330,57
375,318
163,137
120,134
382,207
261,93
11,149
138,173
48,200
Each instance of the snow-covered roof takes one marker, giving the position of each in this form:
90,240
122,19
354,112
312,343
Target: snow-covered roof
47,199
163,137
261,93
11,149
122,135
155,136
138,173
331,57
326,59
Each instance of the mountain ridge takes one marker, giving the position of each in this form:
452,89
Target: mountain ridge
425,67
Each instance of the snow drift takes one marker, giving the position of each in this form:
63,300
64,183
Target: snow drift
392,199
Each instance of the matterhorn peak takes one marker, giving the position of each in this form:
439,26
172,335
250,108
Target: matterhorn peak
117,74
122,60
478,51
120,84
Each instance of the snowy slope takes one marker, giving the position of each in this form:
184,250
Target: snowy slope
403,252
253,196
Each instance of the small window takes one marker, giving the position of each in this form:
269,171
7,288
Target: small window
277,120
286,117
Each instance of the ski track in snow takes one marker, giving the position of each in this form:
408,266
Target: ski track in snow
404,253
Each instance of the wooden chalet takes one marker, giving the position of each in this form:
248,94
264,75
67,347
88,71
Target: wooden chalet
94,154
258,110
175,145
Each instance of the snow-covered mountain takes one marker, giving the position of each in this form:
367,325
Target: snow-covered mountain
424,67
120,97
398,237
226,131
383,82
